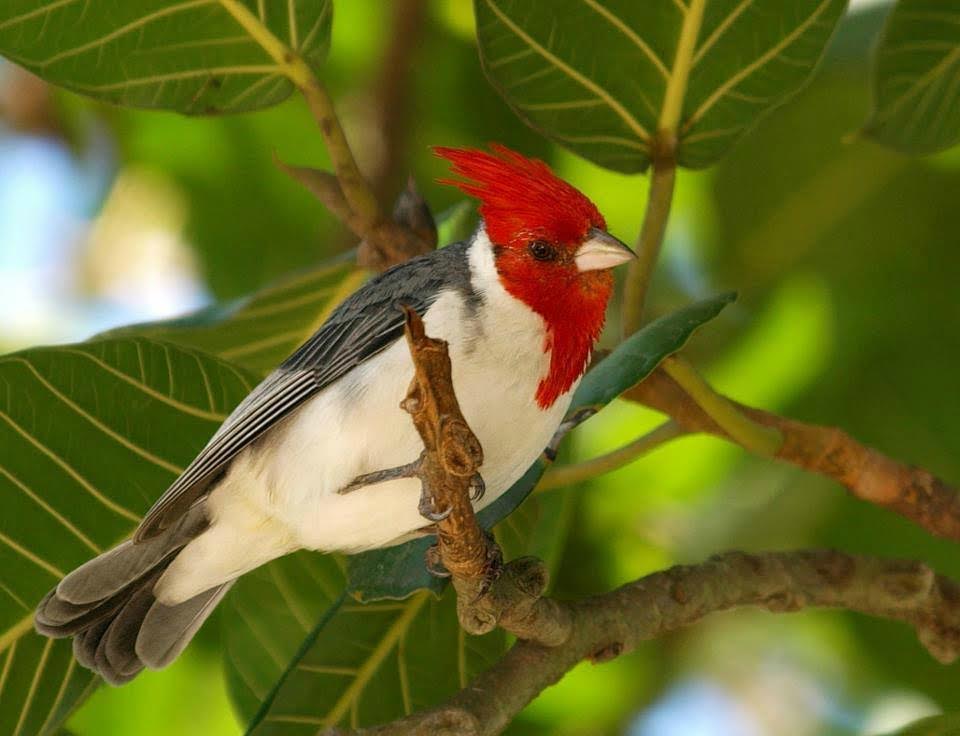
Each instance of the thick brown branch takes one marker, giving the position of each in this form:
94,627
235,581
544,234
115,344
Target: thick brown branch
868,474
488,594
607,625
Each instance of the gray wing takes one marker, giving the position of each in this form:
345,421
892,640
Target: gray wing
364,325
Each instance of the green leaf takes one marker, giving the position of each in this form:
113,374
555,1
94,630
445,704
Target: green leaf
916,78
601,78
192,56
370,663
635,358
944,725
90,435
268,613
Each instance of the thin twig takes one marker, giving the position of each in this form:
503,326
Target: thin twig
567,475
383,241
869,475
757,438
616,622
394,93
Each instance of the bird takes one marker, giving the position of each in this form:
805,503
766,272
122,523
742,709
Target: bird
520,304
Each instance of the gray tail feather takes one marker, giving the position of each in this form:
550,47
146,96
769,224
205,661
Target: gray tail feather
108,606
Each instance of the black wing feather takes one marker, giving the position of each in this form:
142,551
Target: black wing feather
364,325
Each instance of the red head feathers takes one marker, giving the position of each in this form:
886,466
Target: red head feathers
521,199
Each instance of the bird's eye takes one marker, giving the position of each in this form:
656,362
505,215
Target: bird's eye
542,250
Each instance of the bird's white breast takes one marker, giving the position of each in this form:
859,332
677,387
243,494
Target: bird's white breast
356,426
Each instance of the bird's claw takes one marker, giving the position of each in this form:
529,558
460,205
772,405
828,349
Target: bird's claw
477,487
427,510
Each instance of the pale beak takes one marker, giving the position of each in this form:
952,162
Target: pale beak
601,251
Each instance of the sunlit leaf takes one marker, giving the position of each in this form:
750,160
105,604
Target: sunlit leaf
594,76
945,725
90,435
193,56
916,77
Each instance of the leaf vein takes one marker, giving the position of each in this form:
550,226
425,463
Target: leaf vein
576,76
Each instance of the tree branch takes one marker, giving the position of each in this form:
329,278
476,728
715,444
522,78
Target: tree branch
869,475
607,625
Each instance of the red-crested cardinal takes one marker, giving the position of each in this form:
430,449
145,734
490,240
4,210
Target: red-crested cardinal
520,304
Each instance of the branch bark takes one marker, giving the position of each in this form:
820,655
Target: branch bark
607,625
869,475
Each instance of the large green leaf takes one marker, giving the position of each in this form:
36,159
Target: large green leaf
370,663
90,435
916,77
601,76
269,612
398,642
192,56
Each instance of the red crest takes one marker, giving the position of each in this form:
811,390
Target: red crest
521,199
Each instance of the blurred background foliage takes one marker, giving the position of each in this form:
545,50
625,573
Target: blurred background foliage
844,253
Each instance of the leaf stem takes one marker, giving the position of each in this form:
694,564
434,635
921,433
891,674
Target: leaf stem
649,244
680,73
663,154
355,188
567,475
744,431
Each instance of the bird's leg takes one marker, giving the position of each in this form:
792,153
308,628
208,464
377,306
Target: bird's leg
410,470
